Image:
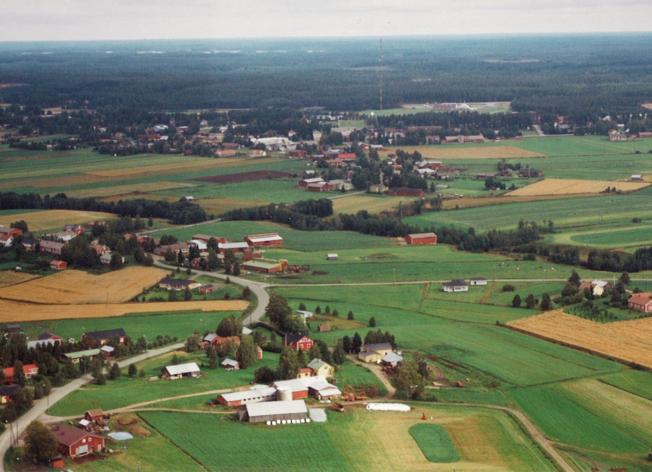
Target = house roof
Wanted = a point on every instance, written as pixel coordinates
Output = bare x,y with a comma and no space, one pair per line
176,282
259,238
642,298
456,283
392,358
317,364
106,334
9,390
188,368
234,245
295,385
69,435
210,337
47,335
84,353
294,337
107,349
230,362
276,408
376,347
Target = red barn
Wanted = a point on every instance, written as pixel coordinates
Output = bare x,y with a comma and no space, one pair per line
58,265
264,240
420,239
298,342
75,442
30,370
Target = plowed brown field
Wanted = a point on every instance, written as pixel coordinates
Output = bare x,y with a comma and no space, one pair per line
627,341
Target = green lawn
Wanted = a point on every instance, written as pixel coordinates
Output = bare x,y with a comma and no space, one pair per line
434,442
356,376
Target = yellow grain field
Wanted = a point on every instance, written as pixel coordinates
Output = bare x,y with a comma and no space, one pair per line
9,277
627,341
574,187
54,219
466,151
77,287
20,311
135,189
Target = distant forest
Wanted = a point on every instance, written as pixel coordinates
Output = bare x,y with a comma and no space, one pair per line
571,75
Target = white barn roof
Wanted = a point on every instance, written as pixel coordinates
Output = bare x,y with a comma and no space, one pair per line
234,245
276,408
259,238
247,394
189,368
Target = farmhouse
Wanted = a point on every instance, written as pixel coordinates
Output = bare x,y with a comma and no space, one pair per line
266,266
641,302
50,247
56,264
373,353
298,341
597,287
321,368
478,281
264,240
456,285
290,410
244,397
175,372
74,442
86,354
420,239
174,248
95,338
74,228
30,370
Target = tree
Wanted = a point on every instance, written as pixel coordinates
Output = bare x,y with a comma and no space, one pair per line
302,306
624,278
356,344
516,301
575,278
246,293
132,371
114,372
349,315
229,326
339,356
372,322
172,296
116,261
19,374
546,302
530,301
212,357
187,294
347,344
38,391
264,375
408,381
40,443
247,355
100,379
288,364
213,261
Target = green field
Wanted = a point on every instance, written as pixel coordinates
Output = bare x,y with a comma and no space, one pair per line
434,442
632,381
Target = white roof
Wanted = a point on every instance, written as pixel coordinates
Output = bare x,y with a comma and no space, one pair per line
392,357
388,407
332,254
199,243
276,408
292,384
246,394
84,422
257,238
209,337
43,342
316,382
189,368
313,180
107,349
236,245
246,331
600,283
305,313
230,362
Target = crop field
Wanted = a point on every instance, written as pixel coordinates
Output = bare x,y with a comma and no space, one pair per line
53,219
128,391
484,439
78,287
574,186
245,177
467,151
588,416
461,333
434,442
10,277
628,341
129,189
615,237
635,382
372,203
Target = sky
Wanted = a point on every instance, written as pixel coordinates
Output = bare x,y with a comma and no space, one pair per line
30,20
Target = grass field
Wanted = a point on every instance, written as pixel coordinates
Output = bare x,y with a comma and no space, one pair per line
485,440
628,341
372,203
633,381
53,219
574,186
77,287
434,442
467,151
641,235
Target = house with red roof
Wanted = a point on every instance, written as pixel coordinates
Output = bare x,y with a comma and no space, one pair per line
641,302
74,442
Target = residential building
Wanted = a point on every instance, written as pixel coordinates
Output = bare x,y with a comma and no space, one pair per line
641,302
456,285
298,341
373,353
100,338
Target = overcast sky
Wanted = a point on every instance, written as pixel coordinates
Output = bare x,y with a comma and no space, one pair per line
22,20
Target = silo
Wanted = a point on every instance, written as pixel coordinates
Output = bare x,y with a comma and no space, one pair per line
284,394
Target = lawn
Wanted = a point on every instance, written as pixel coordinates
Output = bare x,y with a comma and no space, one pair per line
125,391
434,442
356,376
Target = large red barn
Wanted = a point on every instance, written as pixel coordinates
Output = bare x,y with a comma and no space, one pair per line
74,442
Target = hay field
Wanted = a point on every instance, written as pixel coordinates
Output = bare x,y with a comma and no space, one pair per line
77,287
54,219
9,277
373,204
627,341
11,311
140,188
574,187
467,151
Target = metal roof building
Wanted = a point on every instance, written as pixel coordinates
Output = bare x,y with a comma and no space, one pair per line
276,411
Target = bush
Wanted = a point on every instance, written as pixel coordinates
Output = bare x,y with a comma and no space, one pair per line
508,288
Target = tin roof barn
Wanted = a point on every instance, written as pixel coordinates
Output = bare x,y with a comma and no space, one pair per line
266,239
243,397
173,372
276,411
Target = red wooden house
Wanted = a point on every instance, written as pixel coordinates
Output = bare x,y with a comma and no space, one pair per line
298,342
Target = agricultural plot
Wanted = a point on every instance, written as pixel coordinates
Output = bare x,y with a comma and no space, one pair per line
635,382
10,277
467,151
53,219
20,311
77,287
128,189
350,204
615,237
574,186
626,341
434,442
484,439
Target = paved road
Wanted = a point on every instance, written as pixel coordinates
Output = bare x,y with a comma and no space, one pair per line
42,405
257,288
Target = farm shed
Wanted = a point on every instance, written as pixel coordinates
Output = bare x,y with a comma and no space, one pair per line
265,266
174,372
641,302
230,364
305,314
331,256
276,411
321,389
456,285
238,246
314,180
74,442
478,281
421,239
264,240
77,355
168,283
374,352
50,247
319,187
244,397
